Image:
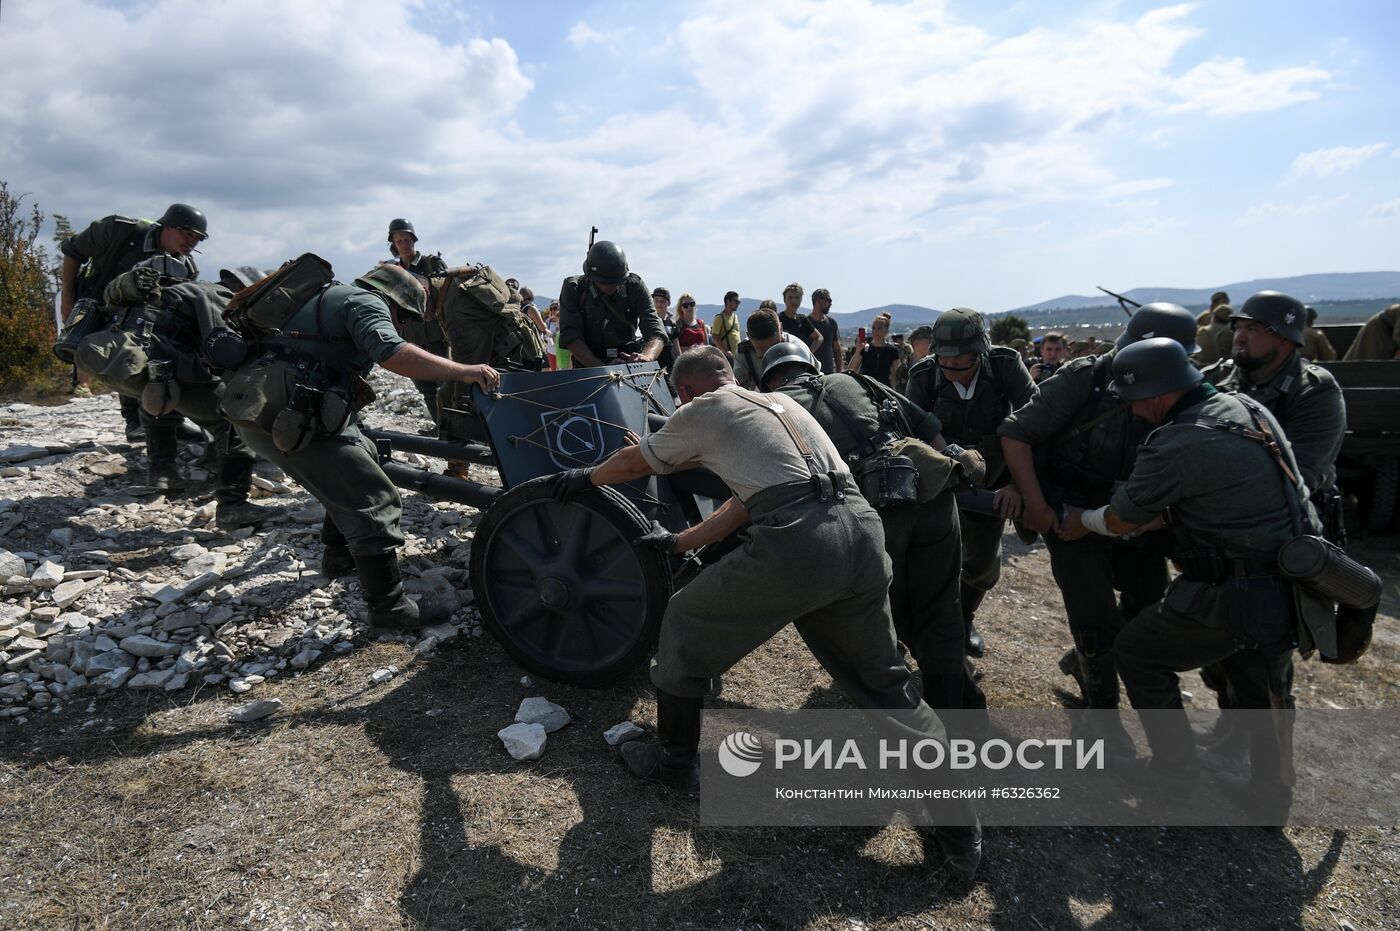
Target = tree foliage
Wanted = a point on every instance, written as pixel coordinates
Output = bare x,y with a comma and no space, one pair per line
1008,327
27,330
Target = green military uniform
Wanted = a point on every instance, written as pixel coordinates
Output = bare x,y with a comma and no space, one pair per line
1003,384
172,322
922,540
1379,337
1216,337
1085,442
1229,517
341,470
427,333
107,248
607,323
1307,401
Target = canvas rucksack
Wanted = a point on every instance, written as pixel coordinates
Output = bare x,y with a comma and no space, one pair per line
263,308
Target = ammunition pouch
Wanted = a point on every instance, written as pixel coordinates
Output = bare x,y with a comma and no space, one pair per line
87,317
162,391
256,393
1331,511
888,480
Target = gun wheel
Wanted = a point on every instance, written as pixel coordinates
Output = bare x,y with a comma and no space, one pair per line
561,586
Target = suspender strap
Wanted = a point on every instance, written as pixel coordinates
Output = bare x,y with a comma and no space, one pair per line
802,447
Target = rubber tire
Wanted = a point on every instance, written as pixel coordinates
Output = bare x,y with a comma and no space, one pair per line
492,558
1380,504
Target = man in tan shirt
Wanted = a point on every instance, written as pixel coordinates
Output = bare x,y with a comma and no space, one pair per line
808,526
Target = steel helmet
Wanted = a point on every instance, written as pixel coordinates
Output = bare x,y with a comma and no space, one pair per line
401,226
185,217
1152,367
396,285
958,331
1285,315
244,276
1160,319
606,263
788,352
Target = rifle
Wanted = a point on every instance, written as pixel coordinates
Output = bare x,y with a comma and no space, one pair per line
592,235
1123,302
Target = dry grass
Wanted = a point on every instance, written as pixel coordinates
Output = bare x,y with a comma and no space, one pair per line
395,807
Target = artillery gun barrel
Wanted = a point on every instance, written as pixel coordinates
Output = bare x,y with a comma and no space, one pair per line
441,487
438,449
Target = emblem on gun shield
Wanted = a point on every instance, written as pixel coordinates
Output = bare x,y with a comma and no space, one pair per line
574,436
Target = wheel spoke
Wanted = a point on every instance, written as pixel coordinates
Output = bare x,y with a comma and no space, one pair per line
524,550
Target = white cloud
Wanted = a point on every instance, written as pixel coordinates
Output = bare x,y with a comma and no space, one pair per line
1271,211
1386,211
1336,160
1224,87
795,123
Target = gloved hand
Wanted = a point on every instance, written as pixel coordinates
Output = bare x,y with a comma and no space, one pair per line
571,482
660,538
147,281
974,466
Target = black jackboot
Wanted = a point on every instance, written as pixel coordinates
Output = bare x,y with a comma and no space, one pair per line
336,561
670,759
131,414
234,510
162,446
383,589
971,599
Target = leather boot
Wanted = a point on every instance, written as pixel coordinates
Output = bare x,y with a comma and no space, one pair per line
162,446
971,600
234,510
670,759
958,848
1098,678
336,561
383,589
131,414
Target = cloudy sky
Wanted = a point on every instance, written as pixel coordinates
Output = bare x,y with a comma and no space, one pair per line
988,154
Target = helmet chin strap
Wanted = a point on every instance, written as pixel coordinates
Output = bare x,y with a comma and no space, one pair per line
950,368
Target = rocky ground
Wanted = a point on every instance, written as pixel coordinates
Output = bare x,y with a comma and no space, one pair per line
199,732
109,586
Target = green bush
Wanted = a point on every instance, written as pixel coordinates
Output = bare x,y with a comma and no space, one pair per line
27,331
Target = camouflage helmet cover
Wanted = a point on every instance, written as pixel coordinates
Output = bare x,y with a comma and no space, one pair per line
397,286
959,331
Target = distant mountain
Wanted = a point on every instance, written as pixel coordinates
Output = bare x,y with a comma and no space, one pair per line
1336,286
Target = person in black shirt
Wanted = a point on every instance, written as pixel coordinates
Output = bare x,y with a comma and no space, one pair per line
797,324
828,353
661,300
877,356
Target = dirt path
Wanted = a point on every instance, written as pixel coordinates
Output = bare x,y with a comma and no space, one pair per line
394,806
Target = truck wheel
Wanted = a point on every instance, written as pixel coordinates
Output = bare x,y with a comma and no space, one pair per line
1385,485
562,587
